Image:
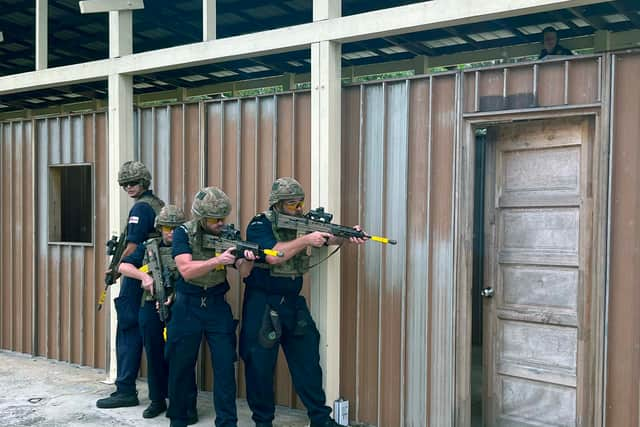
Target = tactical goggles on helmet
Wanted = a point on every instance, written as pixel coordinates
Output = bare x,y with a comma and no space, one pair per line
214,221
167,228
294,204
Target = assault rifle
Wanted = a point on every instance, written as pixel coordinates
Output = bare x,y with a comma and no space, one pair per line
229,237
115,248
161,279
319,220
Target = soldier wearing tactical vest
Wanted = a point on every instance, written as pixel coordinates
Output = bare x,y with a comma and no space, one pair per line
134,178
200,309
151,326
275,314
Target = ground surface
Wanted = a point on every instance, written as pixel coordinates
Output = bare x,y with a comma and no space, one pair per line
41,392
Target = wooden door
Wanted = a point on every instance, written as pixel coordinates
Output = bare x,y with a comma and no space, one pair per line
538,220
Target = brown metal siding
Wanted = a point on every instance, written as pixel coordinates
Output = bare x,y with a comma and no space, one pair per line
241,146
67,326
16,225
546,84
391,131
623,364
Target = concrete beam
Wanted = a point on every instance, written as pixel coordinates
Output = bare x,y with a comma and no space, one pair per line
42,34
381,23
209,20
101,6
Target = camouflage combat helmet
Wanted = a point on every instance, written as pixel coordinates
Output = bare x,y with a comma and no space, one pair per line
133,171
210,202
171,216
285,189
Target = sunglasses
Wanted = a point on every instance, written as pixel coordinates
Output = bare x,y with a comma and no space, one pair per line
294,204
129,184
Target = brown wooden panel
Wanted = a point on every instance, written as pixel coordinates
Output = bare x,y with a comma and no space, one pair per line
551,83
193,156
285,139
7,204
418,188
440,243
269,116
350,214
584,81
520,88
29,241
469,92
392,303
370,274
623,364
177,173
491,90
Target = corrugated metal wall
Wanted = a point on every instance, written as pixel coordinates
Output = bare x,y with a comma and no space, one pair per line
399,159
241,146
623,367
398,171
17,228
70,276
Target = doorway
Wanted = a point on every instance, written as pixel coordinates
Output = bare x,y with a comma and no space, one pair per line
531,352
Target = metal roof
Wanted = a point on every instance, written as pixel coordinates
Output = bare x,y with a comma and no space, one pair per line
75,38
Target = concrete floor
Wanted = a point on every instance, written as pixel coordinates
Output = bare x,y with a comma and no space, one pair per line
40,392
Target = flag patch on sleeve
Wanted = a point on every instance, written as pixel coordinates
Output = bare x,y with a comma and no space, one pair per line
133,219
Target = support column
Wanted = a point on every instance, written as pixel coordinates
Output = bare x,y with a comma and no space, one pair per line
120,147
325,190
421,65
42,34
208,20
602,41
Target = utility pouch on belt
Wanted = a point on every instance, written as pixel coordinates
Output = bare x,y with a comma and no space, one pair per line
301,323
270,329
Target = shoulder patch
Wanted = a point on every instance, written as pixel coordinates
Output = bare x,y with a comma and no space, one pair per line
134,219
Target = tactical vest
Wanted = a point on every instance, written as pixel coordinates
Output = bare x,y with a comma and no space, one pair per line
294,266
152,200
200,253
166,261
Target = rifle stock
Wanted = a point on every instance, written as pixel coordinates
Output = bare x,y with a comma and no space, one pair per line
115,248
230,238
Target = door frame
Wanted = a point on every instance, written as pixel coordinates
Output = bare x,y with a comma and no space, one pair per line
463,238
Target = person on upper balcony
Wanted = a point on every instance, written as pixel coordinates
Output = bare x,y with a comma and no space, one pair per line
551,47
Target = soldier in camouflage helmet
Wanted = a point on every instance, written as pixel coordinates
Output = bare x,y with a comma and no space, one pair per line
151,326
170,216
200,308
134,178
274,313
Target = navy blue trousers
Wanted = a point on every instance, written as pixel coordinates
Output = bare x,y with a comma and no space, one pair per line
152,337
193,316
301,350
128,337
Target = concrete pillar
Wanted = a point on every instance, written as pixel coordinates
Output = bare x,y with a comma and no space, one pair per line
208,20
120,147
421,64
325,190
42,34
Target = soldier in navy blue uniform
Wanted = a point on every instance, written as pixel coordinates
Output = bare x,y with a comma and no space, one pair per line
275,314
200,308
134,178
151,326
